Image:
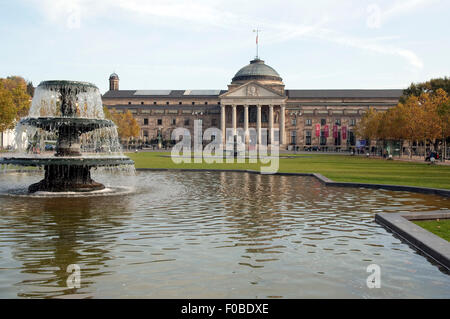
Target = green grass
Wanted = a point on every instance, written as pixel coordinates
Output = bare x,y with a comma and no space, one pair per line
440,227
340,168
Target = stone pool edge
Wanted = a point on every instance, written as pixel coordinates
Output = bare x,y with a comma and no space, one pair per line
428,243
321,178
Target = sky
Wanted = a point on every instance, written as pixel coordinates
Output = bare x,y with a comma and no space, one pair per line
201,44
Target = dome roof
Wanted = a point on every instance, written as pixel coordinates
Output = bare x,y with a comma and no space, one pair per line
257,70
114,76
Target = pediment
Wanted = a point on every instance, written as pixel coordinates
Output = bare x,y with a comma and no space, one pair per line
252,90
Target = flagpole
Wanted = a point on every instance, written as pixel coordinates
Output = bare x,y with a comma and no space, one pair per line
257,44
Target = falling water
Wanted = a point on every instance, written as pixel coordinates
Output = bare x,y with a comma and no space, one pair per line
67,125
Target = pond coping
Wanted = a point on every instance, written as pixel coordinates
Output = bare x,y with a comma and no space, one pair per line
321,178
426,242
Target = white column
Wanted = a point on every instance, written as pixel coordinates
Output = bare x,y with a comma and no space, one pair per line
258,123
222,122
282,125
270,124
246,124
234,119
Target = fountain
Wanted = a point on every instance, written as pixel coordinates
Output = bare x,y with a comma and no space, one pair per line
71,113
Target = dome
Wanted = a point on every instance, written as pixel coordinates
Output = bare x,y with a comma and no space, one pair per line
257,70
114,76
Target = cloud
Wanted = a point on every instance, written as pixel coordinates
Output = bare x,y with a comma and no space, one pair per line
277,28
372,45
376,16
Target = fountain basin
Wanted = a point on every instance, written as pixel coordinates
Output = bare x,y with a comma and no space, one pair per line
77,124
67,160
66,110
64,174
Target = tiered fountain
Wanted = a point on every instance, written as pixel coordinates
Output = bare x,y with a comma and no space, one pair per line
71,113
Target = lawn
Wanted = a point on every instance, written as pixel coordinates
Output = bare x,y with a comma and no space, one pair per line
340,168
439,227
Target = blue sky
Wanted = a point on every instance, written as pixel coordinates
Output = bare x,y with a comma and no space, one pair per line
201,44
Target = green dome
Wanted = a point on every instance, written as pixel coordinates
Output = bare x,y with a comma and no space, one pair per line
257,70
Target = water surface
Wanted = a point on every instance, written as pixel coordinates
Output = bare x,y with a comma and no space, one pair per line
212,235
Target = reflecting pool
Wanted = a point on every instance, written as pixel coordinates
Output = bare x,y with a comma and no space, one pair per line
211,235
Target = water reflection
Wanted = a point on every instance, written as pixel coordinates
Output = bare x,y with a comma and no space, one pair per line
46,235
205,234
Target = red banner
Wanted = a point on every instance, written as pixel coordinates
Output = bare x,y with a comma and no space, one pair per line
317,130
326,130
335,131
344,132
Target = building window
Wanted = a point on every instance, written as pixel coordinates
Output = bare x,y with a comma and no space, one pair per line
180,103
338,122
145,133
293,137
167,103
308,122
308,138
142,103
129,103
323,122
154,103
337,141
294,121
186,122
352,122
174,121
159,121
193,103
145,121
214,122
206,103
323,139
352,138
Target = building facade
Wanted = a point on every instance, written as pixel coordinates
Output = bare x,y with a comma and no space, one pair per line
256,98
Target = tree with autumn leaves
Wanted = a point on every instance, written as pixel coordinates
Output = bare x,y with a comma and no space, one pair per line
14,101
127,126
424,118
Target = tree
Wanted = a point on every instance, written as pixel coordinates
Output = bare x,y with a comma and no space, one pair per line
416,89
127,126
367,128
14,101
443,111
30,89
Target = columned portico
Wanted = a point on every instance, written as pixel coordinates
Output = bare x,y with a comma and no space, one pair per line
234,119
258,123
246,133
265,100
282,124
270,124
223,122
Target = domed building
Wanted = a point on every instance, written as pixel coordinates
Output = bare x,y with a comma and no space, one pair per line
257,70
257,107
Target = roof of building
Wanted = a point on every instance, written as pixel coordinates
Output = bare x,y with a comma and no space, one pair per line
114,76
163,93
391,94
184,107
257,70
394,94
